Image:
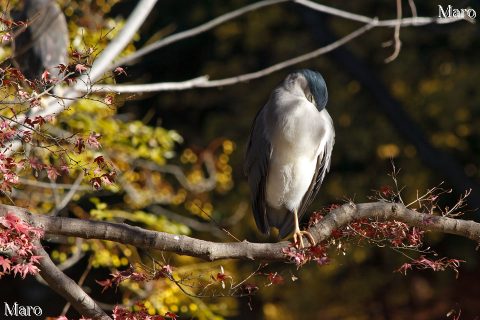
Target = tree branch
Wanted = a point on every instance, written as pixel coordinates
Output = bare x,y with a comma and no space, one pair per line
244,250
396,36
204,82
194,31
114,48
416,21
206,185
70,194
67,288
406,22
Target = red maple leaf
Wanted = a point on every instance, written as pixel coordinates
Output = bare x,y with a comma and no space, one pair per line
100,160
403,269
45,76
35,259
30,268
171,315
386,191
108,100
108,178
274,278
52,173
20,269
62,68
167,269
107,283
92,140
79,145
10,220
5,264
6,37
120,70
96,182
80,68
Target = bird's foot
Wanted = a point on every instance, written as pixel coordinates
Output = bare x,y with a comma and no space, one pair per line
298,239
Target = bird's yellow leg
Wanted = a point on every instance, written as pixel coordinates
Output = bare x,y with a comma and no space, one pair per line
298,234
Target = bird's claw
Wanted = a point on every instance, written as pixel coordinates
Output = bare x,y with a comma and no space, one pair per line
298,239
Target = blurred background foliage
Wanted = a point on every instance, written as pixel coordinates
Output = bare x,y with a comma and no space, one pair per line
203,133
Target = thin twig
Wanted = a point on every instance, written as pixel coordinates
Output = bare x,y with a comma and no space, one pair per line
194,31
216,223
82,279
205,185
189,222
47,185
74,258
56,196
69,195
397,41
413,8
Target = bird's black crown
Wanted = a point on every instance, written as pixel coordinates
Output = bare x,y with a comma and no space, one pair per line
318,87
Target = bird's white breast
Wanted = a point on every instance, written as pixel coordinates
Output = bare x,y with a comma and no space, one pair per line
299,136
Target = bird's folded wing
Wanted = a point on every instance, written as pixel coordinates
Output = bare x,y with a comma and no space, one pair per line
256,168
323,166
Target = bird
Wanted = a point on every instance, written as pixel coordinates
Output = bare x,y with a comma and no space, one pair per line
288,153
43,44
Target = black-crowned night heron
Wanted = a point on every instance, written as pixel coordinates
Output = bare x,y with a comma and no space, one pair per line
288,153
43,44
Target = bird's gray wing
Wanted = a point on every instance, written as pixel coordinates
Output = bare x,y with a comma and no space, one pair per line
323,166
257,160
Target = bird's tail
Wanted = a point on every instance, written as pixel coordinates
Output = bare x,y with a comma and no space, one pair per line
282,219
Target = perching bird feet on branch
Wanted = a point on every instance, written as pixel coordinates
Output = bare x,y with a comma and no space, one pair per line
298,239
298,234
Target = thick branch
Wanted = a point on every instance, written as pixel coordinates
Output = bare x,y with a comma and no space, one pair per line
67,288
209,250
114,48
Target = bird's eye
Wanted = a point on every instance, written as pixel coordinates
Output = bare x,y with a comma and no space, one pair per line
310,98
